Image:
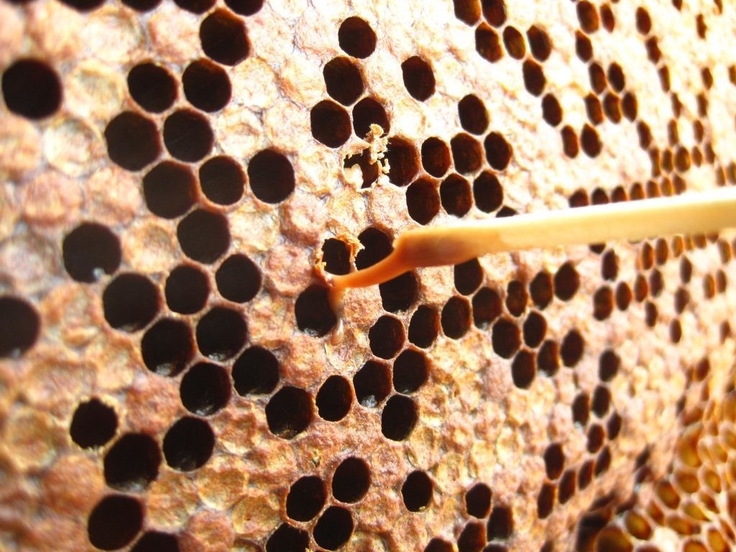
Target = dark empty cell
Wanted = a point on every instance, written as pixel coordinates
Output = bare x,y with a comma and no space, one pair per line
367,112
682,159
203,236
472,538
287,539
516,297
156,541
588,17
534,79
132,463
616,77
455,195
187,135
643,21
221,333
167,347
567,485
601,401
403,160
386,337
467,11
336,256
548,358
114,522
567,282
187,289
535,327
596,436
506,338
422,200
31,89
609,265
709,286
330,123
473,114
523,369
169,189
410,371
417,491
579,199
271,176
130,302
90,250
478,500
721,281
653,51
498,151
590,141
664,80
418,78
398,418
551,110
188,444
593,109
205,389
630,106
613,427
206,85
468,276
368,168
541,289
608,21
356,37
597,78
333,528
245,7
132,141
435,157
653,189
142,5
501,523
305,499
400,293
437,544
488,43
238,279
343,80
351,480
682,298
583,47
513,40
700,25
494,11
94,423
334,398
467,153
222,180
487,192
456,317
554,460
585,475
656,284
608,365
224,38
599,197
372,383
486,307
603,303
539,43
641,288
646,256
152,87
581,409
546,500
707,77
376,246
572,348
603,461
195,6
289,412
256,371
612,107
570,144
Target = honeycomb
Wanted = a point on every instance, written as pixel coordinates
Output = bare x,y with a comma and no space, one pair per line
170,173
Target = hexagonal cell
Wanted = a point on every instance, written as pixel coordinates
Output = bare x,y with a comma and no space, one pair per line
289,412
494,11
386,337
169,189
188,136
114,522
534,328
466,153
89,251
256,371
398,418
534,79
572,348
330,123
588,17
546,500
422,200
167,347
271,174
287,537
403,159
367,112
156,541
187,289
93,424
500,523
130,302
206,85
132,462
238,278
417,491
334,399
418,78
333,528
343,80
356,37
566,282
513,40
410,371
498,151
539,43
551,110
523,369
473,114
222,180
516,297
351,480
372,383
488,43
487,192
399,294
188,444
224,38
152,87
306,498
472,537
31,88
478,500
221,333
205,389
548,358
455,317
506,337
435,157
132,141
455,195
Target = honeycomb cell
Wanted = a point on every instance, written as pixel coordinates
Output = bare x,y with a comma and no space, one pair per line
398,418
152,87
31,89
488,43
516,297
587,17
424,326
132,462
336,256
221,333
289,412
204,236
417,491
169,189
472,537
400,293
603,461
473,114
351,480
486,307
534,79
590,141
79,5
593,109
585,475
613,427
612,107
581,409
132,141
567,486
643,21
656,283
541,289
255,372
583,47
603,303
534,329
601,401
539,43
506,338
205,389
356,37
313,313
372,383
287,539
271,176
570,144
89,251
333,528
523,369
513,40
334,398
222,180
422,200
478,500
156,541
597,78
188,444
498,151
455,317
186,290
343,80
468,276
548,358
410,371
224,38
546,500
572,348
609,265
551,110
566,282
616,77
467,153
403,160
206,85
554,460
437,544
494,11
167,347
93,424
195,6
455,195
386,337
330,124
306,498
435,157
608,21
418,78
114,522
613,539
376,246
501,523
367,112
650,314
238,279
130,302
596,436
187,135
